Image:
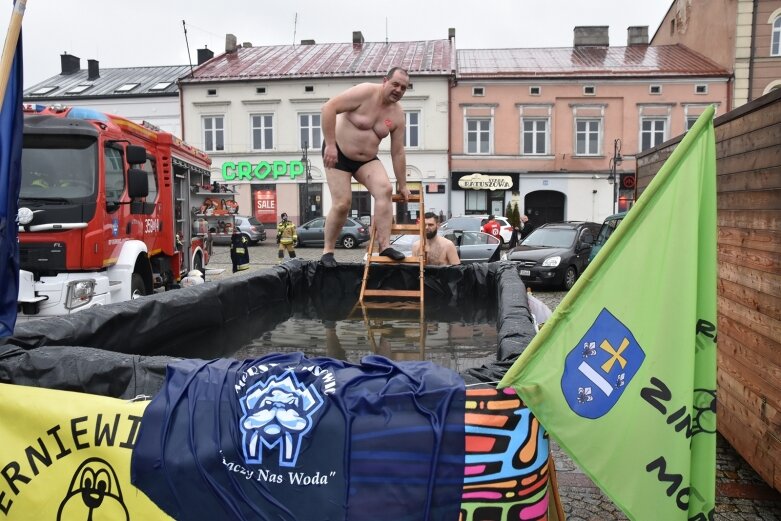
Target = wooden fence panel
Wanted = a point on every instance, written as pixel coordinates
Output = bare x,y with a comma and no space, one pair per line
748,164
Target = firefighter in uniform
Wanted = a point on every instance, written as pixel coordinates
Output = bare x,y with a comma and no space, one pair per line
286,238
239,250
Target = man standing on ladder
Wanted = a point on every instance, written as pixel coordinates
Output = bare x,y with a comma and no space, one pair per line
354,123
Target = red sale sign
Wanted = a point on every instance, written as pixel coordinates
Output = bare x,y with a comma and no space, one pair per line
266,206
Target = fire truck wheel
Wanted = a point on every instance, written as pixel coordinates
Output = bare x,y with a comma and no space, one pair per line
137,286
198,264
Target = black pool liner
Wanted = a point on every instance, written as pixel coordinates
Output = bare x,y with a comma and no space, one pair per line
122,350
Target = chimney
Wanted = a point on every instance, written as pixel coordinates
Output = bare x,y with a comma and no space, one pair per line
69,63
451,34
357,38
592,35
93,70
204,55
307,42
230,43
246,45
637,35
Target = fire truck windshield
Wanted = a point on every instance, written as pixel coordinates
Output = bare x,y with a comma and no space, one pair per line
59,167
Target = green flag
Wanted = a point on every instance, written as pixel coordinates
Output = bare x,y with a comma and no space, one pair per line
623,375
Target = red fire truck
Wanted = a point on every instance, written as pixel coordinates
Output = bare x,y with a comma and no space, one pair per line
104,210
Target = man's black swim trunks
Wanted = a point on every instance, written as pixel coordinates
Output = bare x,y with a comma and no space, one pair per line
345,163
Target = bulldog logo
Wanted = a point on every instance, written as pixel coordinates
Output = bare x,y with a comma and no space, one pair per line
277,413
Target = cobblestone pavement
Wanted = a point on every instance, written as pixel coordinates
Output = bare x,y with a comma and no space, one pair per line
741,493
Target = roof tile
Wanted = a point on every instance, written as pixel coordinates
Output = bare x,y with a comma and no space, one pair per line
431,57
636,60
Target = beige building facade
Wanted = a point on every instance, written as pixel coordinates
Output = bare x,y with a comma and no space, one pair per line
256,112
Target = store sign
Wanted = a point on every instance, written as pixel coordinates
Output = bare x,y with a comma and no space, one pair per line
266,206
246,171
486,182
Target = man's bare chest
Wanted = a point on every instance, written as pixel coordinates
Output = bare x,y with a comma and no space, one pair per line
435,253
381,122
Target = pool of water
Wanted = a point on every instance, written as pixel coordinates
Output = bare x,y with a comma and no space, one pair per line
455,345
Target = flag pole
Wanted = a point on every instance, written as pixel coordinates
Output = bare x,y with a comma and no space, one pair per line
9,47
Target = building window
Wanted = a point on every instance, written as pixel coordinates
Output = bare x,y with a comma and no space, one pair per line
211,92
78,89
309,88
476,202
262,131
654,89
260,90
588,133
43,90
589,90
690,121
309,130
478,135
701,89
161,85
126,87
412,136
535,91
213,133
652,132
535,136
775,41
478,91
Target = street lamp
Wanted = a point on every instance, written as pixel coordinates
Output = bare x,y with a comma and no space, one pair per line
307,176
612,178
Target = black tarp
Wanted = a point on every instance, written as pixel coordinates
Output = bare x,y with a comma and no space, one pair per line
121,350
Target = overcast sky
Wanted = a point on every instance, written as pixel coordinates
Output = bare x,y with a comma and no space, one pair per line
149,32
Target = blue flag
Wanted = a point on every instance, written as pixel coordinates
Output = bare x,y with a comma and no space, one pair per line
10,178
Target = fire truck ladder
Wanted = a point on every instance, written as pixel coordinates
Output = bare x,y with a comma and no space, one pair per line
376,313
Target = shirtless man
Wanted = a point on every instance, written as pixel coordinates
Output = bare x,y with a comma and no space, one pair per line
440,251
354,123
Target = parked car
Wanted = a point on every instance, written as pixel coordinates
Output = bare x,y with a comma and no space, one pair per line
476,222
555,254
471,246
312,233
249,226
607,229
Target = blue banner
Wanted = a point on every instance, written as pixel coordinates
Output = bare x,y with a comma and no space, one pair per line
285,437
10,179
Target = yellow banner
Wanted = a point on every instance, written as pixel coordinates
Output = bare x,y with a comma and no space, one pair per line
66,456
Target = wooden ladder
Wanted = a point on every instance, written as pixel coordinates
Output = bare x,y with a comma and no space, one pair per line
371,259
375,313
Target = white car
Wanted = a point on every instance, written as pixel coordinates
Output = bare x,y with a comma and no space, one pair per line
476,222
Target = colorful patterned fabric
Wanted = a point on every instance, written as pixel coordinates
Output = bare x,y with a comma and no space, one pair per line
506,473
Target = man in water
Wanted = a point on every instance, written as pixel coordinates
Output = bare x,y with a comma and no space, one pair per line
439,251
354,123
